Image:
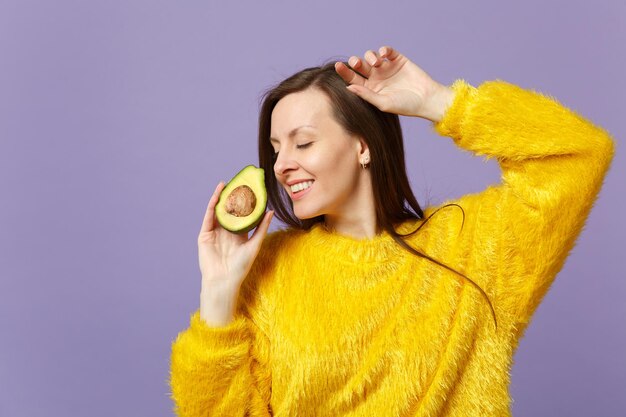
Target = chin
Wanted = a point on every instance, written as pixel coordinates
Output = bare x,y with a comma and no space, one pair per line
305,215
302,217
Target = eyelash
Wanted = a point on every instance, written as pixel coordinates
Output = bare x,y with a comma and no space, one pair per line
303,146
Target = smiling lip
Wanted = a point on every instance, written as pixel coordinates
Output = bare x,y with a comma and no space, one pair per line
290,183
299,195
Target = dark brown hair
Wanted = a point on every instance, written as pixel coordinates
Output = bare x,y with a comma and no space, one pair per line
395,201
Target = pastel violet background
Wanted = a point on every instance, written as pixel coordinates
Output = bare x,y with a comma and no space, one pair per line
118,118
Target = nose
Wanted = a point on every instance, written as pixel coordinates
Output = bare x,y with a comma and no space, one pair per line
284,163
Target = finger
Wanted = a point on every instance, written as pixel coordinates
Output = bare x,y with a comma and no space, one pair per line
372,58
388,52
348,75
261,230
381,102
361,66
208,224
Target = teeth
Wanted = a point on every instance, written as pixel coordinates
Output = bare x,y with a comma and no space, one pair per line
301,186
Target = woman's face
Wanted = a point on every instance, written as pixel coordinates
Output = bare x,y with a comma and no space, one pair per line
313,147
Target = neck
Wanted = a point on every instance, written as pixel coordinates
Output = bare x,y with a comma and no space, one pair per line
357,219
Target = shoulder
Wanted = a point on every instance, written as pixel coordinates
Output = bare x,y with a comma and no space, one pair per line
448,220
268,270
276,248
280,241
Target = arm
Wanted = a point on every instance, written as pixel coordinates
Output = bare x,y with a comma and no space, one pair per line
220,364
225,369
553,164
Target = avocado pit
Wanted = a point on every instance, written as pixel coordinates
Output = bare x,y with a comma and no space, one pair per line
241,201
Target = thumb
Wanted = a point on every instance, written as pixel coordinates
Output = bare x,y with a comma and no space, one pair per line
261,230
368,95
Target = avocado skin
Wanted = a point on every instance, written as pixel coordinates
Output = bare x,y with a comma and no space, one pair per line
261,195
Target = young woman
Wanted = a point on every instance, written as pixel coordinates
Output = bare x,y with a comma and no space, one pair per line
366,305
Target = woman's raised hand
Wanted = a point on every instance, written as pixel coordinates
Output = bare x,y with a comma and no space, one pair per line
226,258
394,84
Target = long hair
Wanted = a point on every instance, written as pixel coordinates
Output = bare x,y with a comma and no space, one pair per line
394,199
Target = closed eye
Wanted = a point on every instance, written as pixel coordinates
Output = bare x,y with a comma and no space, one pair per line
303,146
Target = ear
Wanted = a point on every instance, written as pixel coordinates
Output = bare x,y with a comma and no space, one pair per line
363,149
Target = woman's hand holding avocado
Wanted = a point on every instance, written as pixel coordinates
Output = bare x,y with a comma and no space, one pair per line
225,259
394,84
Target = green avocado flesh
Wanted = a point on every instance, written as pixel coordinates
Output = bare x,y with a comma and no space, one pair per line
243,201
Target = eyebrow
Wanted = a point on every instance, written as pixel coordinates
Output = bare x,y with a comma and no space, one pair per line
292,133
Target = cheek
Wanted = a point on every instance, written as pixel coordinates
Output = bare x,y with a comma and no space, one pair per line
337,171
319,164
337,159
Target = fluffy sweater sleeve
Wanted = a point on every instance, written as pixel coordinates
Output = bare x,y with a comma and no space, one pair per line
553,163
220,370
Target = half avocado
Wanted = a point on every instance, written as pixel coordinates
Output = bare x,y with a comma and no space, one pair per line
242,201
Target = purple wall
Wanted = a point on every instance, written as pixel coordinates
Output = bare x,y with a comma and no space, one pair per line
118,118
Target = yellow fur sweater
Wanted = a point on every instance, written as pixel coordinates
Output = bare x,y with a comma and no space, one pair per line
328,325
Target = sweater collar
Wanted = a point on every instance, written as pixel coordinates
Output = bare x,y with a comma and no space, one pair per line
347,249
